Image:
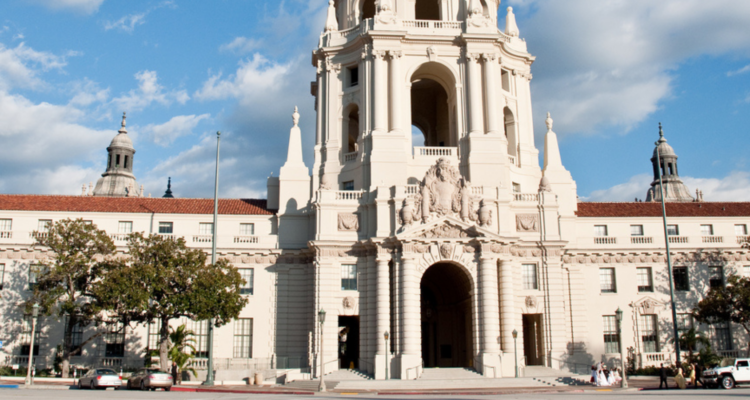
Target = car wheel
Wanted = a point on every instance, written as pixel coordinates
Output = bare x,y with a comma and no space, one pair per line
727,382
168,389
143,386
80,387
91,385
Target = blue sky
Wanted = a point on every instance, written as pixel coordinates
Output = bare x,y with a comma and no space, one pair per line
608,70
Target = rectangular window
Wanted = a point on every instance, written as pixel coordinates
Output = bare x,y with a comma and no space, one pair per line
530,277
681,281
117,160
673,230
636,230
154,335
740,230
206,228
43,226
76,335
707,230
247,275
247,229
26,335
721,336
684,323
125,227
645,282
354,76
348,277
746,269
611,337
6,225
113,341
649,334
348,185
516,187
2,276
600,230
200,329
126,162
243,338
505,78
166,228
607,280
716,277
35,271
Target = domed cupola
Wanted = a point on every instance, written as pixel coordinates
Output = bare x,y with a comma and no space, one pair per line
664,162
118,180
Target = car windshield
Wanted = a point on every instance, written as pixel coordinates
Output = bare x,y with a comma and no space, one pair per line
727,362
105,372
154,371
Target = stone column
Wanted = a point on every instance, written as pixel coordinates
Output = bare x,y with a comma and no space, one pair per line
411,335
490,90
397,88
380,92
371,306
489,314
383,320
506,303
476,111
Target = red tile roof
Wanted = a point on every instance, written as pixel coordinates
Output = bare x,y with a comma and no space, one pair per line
673,209
132,205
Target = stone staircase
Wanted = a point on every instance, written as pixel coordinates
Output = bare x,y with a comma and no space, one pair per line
444,374
332,380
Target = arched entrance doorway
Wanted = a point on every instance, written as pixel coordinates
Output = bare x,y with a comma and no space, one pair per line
446,317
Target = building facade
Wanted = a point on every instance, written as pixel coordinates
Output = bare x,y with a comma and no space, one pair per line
451,247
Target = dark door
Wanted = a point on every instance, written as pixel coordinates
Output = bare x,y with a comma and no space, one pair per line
348,342
533,346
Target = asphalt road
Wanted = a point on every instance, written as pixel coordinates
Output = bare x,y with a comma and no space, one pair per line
613,395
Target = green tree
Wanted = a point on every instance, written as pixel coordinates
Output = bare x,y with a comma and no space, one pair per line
66,287
725,304
182,350
691,340
164,280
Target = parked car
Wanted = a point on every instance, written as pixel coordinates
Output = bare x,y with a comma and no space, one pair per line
150,378
729,373
100,378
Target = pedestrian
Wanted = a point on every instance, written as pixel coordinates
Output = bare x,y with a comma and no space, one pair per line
663,377
699,376
174,373
679,379
593,375
692,375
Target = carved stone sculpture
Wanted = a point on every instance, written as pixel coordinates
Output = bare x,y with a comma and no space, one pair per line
446,250
444,192
348,222
527,223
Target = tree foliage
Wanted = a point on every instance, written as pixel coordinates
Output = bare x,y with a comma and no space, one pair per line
164,280
66,287
182,350
730,303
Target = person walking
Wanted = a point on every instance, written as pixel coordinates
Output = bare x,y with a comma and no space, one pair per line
692,375
663,377
698,375
174,373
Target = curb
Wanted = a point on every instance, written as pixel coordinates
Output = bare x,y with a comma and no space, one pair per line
200,390
8,386
487,393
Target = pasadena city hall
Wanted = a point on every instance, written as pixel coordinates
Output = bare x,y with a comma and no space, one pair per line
466,251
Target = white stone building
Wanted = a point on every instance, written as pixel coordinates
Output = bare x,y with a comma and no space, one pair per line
449,247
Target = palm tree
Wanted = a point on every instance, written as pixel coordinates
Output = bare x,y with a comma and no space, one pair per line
182,350
690,340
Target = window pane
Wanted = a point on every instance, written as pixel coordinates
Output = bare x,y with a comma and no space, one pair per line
673,230
607,280
113,341
166,228
206,228
649,334
740,230
530,277
600,230
44,225
636,230
348,185
6,225
707,230
747,271
248,275
247,229
348,277
2,275
243,338
645,283
681,281
125,227
611,338
26,335
200,330
684,323
721,337
715,277
34,272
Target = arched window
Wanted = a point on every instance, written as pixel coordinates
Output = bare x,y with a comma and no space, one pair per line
352,130
433,107
511,132
427,10
368,9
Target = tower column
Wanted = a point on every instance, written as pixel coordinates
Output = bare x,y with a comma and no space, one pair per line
476,111
490,315
380,92
411,336
396,90
383,311
490,90
506,302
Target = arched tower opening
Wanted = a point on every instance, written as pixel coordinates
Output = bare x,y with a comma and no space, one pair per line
427,10
511,133
351,129
446,293
433,105
368,9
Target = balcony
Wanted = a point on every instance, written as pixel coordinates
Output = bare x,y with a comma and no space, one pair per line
743,239
678,239
713,239
119,237
435,152
246,239
6,235
349,194
641,240
417,27
526,197
605,240
348,157
203,238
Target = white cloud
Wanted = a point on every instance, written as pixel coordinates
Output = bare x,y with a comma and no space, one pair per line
88,92
742,70
181,125
149,91
20,66
241,45
79,6
636,187
733,187
611,63
126,23
255,79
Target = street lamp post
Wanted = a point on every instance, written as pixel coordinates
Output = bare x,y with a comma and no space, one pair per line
34,316
322,318
387,359
210,373
515,349
618,315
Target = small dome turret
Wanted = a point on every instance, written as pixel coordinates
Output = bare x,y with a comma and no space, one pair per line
666,177
118,180
122,139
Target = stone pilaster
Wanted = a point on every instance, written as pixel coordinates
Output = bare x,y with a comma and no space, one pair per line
383,318
411,335
380,92
476,110
490,89
397,91
507,304
489,313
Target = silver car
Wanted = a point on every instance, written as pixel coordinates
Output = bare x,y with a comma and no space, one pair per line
100,378
150,378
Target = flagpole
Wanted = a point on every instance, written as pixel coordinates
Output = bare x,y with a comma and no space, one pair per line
210,374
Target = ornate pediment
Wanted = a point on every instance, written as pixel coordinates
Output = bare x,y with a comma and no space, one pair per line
648,305
448,231
446,228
